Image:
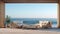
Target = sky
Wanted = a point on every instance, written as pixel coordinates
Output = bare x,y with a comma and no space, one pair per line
31,10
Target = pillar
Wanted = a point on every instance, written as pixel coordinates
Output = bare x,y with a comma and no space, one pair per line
2,14
58,23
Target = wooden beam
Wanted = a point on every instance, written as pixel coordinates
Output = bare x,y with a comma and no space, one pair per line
2,13
2,0
31,1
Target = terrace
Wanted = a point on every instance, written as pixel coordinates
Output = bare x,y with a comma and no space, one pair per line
2,8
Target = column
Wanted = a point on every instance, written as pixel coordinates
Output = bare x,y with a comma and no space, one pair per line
2,14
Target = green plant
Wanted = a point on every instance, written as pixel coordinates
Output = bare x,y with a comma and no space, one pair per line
8,19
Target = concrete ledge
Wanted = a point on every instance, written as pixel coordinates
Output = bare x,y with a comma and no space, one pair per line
21,31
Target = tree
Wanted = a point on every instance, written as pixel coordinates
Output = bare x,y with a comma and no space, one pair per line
7,20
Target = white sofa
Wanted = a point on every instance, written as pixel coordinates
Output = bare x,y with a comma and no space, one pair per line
45,24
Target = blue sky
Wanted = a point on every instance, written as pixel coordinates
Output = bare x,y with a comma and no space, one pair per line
31,10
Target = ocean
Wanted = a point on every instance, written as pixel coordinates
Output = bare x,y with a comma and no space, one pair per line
36,20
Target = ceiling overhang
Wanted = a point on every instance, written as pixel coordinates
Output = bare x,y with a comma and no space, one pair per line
30,1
